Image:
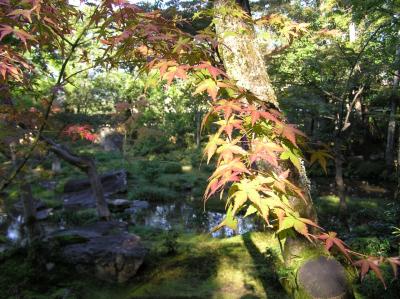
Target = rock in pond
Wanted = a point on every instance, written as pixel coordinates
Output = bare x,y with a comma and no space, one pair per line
42,212
103,249
19,206
78,193
140,204
137,205
118,205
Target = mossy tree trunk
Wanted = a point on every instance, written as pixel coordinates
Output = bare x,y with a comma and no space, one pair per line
244,63
390,141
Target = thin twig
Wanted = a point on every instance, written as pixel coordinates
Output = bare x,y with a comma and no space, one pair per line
7,181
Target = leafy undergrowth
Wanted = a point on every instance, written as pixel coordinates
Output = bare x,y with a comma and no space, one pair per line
368,228
366,217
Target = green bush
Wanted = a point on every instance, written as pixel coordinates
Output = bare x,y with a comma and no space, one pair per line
3,239
150,170
154,193
152,145
366,169
80,217
372,287
373,246
172,167
170,242
178,182
103,156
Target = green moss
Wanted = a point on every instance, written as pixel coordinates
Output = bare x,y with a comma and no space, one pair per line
154,194
203,267
80,217
3,239
180,182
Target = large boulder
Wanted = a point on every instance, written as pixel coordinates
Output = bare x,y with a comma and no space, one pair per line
114,258
78,193
104,250
110,140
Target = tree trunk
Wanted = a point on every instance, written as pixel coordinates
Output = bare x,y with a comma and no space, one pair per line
5,95
244,63
389,153
30,221
397,192
341,189
87,165
29,207
390,141
198,116
56,165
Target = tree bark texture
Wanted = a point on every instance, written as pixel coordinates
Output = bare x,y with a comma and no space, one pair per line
30,221
242,57
341,188
244,63
390,141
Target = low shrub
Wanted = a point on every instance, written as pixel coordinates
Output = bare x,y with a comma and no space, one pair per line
172,167
373,246
154,193
80,217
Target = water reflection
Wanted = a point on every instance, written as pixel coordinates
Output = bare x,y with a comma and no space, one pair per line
163,216
183,216
14,230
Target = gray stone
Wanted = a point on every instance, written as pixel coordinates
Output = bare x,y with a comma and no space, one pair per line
50,266
103,249
140,204
114,258
101,228
49,185
78,193
110,140
323,278
43,214
19,206
118,205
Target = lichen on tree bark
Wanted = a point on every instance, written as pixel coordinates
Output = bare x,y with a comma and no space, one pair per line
244,63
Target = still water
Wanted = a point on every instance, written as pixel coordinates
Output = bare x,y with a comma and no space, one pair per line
191,219
166,216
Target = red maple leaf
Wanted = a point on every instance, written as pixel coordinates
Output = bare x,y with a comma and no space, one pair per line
330,240
214,71
370,263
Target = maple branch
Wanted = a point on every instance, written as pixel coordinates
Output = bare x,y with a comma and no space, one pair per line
61,36
6,182
353,68
346,123
279,50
